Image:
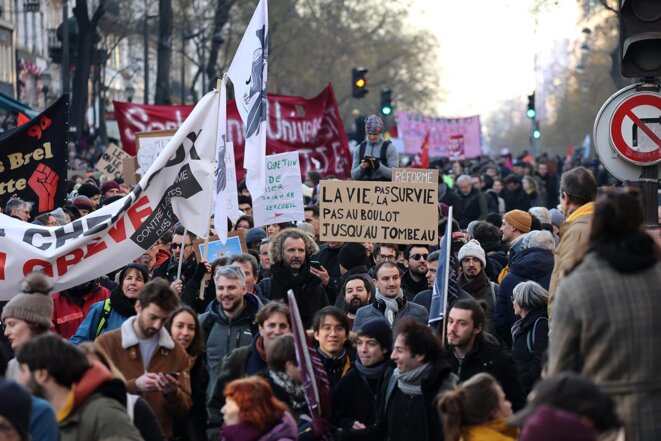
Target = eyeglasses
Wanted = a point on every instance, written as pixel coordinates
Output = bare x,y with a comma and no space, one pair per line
388,257
178,245
418,256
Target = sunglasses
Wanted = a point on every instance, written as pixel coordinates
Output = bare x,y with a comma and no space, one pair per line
418,256
178,245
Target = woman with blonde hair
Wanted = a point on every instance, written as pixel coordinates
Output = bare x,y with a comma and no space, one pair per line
477,411
251,413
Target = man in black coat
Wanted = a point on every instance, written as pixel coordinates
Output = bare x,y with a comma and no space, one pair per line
290,269
359,393
409,409
473,352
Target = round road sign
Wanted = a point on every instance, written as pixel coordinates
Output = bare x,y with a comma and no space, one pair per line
627,132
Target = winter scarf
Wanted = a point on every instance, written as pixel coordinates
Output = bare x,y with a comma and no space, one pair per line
392,308
371,372
294,390
122,304
410,382
475,284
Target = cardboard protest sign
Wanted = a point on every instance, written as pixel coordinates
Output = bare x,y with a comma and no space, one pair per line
423,176
149,146
33,160
393,212
111,162
282,200
235,244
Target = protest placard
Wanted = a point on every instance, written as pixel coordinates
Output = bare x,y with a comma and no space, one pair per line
283,199
393,212
236,244
110,162
423,176
149,145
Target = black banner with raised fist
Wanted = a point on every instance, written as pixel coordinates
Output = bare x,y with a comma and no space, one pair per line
33,160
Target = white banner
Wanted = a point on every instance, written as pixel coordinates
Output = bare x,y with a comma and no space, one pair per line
282,200
180,181
248,73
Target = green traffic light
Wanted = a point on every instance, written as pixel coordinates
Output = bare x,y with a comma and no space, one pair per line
531,113
536,134
386,110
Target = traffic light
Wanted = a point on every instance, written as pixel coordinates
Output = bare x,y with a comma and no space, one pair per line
640,38
386,101
536,133
359,82
531,113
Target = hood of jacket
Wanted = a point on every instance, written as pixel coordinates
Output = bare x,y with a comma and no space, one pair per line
246,316
532,263
98,379
275,253
285,429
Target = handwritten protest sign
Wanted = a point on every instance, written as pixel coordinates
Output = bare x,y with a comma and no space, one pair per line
149,145
422,176
110,163
394,212
283,199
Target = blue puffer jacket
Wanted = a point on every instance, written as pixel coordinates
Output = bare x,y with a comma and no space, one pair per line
534,264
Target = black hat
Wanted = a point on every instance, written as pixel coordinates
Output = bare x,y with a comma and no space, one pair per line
89,190
352,255
15,406
378,329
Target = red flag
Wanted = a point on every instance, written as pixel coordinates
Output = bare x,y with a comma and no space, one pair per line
421,160
22,119
570,151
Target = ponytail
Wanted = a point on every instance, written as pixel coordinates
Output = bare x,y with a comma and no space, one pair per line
451,409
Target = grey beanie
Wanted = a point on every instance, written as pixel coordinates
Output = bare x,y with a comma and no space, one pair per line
34,304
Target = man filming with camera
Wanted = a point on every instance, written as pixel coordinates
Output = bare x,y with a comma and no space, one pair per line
374,158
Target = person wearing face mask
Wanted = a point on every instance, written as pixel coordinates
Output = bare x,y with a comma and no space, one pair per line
72,305
109,314
184,327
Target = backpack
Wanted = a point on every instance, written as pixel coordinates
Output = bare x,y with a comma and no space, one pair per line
107,309
384,148
530,336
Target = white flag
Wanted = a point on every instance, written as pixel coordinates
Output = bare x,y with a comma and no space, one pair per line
227,197
248,73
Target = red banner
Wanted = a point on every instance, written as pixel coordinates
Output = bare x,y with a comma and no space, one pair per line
313,127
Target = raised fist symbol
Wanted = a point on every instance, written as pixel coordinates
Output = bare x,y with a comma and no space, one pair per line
44,183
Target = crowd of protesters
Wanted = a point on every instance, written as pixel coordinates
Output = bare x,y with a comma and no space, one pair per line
557,300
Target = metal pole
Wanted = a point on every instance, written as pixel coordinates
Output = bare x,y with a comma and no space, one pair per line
145,36
649,185
183,67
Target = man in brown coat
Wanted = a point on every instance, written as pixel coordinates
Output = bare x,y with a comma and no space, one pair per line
578,190
154,365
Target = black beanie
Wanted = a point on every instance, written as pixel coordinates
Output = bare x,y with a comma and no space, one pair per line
89,190
378,329
352,255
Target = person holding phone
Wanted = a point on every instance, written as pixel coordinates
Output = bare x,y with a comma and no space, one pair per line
374,158
153,363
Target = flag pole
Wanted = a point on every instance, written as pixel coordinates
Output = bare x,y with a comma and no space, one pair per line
447,276
181,253
205,247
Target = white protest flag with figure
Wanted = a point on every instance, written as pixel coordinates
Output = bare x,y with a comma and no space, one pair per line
248,74
227,195
180,181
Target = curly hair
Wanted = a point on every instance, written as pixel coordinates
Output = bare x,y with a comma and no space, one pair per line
257,405
278,241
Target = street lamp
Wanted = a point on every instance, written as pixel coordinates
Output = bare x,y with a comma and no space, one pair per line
130,93
46,80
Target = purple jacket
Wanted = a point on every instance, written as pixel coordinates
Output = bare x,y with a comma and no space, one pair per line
284,430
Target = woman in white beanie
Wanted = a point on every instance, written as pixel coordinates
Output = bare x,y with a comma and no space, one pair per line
27,315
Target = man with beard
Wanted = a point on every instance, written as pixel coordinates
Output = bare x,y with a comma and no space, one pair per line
154,365
473,279
389,300
357,292
228,323
180,245
414,280
89,403
290,268
358,395
273,320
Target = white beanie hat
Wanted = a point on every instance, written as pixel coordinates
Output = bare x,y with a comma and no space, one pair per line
473,249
